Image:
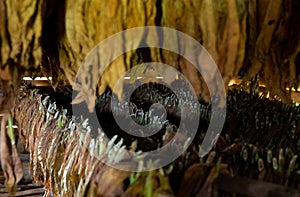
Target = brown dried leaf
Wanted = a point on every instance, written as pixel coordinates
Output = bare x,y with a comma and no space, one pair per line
164,188
88,97
151,183
6,159
195,174
110,181
203,175
18,170
10,161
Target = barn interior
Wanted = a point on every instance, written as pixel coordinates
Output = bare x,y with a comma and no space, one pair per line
150,98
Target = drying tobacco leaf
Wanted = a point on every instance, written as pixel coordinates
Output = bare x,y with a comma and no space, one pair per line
10,161
69,167
149,184
109,181
164,188
16,161
198,179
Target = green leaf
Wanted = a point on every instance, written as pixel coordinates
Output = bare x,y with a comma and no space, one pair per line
148,185
11,132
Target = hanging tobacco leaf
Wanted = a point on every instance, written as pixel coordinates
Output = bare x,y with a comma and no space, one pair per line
10,160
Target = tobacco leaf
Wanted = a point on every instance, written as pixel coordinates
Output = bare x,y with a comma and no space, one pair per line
151,183
109,181
203,175
10,160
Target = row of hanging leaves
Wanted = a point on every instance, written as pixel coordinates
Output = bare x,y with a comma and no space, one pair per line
65,158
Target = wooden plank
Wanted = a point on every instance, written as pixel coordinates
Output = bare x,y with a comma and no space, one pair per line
24,190
28,192
251,187
31,192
